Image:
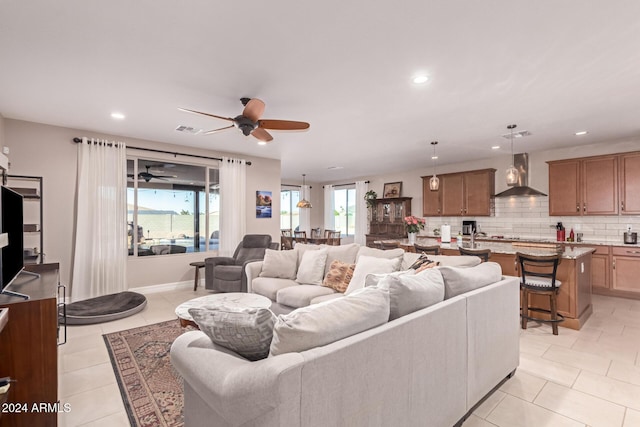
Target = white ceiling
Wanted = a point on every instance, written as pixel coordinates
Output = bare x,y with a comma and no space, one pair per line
553,67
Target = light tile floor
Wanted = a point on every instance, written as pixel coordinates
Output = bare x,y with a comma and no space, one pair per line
588,378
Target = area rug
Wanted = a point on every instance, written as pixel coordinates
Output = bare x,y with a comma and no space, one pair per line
151,389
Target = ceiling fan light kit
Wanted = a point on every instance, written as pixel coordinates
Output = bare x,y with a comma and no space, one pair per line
249,121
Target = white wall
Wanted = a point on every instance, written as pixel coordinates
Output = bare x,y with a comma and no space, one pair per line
48,151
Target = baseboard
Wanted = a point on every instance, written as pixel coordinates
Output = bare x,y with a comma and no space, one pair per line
165,287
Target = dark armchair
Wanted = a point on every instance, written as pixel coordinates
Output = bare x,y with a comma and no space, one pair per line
226,274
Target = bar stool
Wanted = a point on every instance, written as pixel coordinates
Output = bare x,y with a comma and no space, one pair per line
432,249
538,277
483,254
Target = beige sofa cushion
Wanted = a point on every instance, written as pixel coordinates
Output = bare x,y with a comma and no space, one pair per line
279,264
460,280
301,295
269,286
371,265
324,323
343,253
379,253
311,268
445,260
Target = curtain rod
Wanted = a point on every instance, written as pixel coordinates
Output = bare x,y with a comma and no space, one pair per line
293,185
350,183
79,140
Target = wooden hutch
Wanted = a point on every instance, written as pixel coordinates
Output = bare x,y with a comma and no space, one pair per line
386,219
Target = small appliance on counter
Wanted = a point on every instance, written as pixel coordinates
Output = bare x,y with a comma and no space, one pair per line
468,227
445,233
630,238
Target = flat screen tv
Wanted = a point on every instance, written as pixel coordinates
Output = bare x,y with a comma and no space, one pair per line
11,209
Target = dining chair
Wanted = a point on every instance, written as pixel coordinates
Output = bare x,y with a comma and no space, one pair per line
332,237
316,233
300,236
483,254
538,277
430,249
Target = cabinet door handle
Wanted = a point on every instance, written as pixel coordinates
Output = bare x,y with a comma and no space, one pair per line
614,263
584,208
622,205
633,252
577,208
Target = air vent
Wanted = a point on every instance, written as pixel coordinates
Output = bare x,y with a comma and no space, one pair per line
188,129
520,134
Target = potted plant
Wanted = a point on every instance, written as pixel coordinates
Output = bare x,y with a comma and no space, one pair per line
413,225
370,196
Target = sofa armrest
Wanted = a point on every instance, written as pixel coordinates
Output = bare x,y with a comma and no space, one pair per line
252,270
236,389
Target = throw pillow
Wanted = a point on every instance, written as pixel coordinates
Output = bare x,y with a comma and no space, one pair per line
311,269
279,264
427,265
339,276
371,265
379,253
412,292
247,331
422,259
345,253
330,321
301,248
458,280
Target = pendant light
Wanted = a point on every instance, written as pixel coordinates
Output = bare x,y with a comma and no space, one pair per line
434,181
512,172
304,203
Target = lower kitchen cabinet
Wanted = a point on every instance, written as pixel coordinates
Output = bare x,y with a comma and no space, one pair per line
625,269
601,268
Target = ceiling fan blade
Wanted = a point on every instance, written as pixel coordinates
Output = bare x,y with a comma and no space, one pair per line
262,135
206,114
209,132
282,125
254,109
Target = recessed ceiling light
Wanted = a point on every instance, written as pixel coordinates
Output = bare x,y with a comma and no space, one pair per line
582,132
117,116
262,143
495,147
434,157
331,168
420,79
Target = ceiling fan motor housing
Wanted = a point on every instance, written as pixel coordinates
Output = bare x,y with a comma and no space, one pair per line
245,124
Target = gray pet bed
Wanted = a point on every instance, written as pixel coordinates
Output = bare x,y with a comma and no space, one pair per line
104,308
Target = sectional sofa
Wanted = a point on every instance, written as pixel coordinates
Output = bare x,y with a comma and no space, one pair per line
407,366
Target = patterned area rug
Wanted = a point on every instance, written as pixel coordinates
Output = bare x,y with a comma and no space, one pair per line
151,389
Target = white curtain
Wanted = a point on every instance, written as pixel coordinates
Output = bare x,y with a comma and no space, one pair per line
233,204
100,252
329,209
361,213
305,213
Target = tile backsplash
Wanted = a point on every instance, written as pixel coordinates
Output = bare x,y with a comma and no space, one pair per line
528,217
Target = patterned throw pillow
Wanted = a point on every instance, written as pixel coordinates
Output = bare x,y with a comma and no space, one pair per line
339,276
423,259
426,265
247,331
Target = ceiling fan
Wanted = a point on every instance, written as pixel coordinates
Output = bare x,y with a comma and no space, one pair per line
148,176
249,121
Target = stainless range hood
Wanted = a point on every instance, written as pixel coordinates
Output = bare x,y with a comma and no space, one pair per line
521,189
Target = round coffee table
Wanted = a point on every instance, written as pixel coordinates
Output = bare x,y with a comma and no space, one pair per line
229,299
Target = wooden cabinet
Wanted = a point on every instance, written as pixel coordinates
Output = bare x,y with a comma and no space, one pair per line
600,185
629,184
460,194
625,264
387,219
601,268
29,348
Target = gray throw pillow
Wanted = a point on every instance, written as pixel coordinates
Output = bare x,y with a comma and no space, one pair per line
458,280
247,331
412,292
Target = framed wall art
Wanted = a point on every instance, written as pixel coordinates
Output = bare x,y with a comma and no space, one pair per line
392,190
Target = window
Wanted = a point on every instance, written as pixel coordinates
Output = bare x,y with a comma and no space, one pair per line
167,207
289,213
344,203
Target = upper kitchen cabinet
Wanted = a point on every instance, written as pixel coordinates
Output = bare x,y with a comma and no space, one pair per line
630,183
587,186
460,194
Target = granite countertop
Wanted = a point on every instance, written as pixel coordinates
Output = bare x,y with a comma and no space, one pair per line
584,242
501,247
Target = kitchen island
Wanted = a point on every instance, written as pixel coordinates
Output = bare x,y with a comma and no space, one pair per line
574,271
